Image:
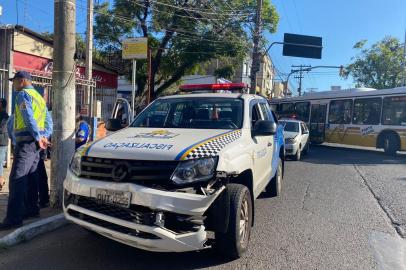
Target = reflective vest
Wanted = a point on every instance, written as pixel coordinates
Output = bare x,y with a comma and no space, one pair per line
21,131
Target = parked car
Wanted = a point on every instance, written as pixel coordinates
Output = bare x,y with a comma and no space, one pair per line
187,165
296,137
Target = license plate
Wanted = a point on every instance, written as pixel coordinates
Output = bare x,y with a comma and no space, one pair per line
113,197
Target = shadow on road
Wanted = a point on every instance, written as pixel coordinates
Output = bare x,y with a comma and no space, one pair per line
126,257
335,155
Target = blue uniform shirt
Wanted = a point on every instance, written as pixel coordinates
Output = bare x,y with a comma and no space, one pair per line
82,133
24,102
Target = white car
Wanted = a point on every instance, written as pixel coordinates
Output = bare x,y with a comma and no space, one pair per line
296,137
188,164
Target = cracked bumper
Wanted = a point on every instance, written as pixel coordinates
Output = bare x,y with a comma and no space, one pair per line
162,239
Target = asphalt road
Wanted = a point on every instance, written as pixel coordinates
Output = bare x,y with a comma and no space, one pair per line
340,209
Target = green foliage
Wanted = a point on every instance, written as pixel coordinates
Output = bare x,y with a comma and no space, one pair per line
226,72
181,34
378,67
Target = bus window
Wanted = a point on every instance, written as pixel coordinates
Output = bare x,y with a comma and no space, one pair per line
367,111
340,111
302,110
286,109
394,111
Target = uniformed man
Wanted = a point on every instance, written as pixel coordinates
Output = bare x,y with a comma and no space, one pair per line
30,137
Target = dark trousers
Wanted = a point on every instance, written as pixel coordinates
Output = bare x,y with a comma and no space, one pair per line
42,180
23,183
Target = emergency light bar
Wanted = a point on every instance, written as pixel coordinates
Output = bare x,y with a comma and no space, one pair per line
217,87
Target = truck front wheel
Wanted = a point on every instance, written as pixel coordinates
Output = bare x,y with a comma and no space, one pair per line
234,242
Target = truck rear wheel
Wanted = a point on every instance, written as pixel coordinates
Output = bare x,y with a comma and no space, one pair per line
234,242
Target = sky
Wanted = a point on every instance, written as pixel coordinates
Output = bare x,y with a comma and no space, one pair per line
340,23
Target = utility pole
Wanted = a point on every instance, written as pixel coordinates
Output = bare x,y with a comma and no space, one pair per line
89,57
256,56
63,101
300,77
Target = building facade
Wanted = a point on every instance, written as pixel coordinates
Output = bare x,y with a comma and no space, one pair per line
265,77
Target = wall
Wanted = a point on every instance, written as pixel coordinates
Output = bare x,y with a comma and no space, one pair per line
27,44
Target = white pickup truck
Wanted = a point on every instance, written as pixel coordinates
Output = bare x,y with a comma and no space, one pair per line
186,165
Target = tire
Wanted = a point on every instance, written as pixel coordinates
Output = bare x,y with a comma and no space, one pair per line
298,154
234,242
390,144
274,188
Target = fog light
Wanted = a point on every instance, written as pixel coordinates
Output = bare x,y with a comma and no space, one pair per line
160,219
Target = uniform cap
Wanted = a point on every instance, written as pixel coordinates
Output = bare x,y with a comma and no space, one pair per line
21,75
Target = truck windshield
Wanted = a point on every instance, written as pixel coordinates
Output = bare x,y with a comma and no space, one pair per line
199,113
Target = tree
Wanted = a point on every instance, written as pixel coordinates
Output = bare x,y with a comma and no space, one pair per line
226,72
378,67
181,34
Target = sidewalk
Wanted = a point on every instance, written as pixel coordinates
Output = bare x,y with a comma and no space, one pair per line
49,219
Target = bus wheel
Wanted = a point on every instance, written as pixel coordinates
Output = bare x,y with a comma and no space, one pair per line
390,144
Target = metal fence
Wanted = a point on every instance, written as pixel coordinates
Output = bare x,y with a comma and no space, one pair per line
43,83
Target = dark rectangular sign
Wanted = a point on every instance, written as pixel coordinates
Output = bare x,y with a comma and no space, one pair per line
302,46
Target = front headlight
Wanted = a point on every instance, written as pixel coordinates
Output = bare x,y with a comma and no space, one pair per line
195,170
76,163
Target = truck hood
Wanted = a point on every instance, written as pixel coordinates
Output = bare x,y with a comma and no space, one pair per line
162,144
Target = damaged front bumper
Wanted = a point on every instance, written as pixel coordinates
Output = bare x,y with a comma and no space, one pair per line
156,220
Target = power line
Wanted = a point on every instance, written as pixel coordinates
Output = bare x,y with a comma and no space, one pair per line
173,14
200,10
17,10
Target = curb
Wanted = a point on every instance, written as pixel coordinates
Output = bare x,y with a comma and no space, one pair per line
32,230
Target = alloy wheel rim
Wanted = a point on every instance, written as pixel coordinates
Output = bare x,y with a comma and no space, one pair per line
244,221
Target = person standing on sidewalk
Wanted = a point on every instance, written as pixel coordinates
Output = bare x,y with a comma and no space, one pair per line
3,139
82,132
29,130
43,189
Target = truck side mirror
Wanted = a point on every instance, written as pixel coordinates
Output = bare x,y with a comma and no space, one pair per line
264,128
113,124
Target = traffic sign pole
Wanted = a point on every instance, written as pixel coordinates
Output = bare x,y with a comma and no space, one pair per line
133,86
